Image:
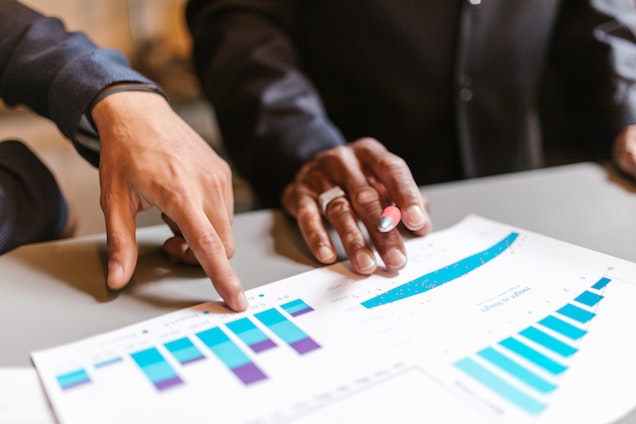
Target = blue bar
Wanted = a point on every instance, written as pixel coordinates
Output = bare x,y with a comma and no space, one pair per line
288,331
184,350
251,335
533,356
281,326
108,362
296,307
600,284
588,298
156,368
441,276
513,368
562,327
73,379
576,313
549,342
231,355
226,350
500,386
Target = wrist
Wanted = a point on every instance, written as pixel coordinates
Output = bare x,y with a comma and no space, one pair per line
121,88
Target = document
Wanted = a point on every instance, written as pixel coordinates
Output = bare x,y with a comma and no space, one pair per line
488,323
22,399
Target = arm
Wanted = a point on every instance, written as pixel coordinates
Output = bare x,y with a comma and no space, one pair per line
32,208
146,154
270,115
54,72
275,127
594,46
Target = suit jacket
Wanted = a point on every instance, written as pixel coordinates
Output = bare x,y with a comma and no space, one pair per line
451,86
56,74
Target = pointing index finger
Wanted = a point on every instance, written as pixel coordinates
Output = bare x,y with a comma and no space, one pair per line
210,252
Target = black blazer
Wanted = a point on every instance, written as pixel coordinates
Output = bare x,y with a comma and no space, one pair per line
451,86
57,74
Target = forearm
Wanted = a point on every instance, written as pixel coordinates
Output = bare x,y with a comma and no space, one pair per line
54,72
270,115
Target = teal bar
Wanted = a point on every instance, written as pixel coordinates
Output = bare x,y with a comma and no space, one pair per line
600,284
247,331
72,379
562,327
154,365
533,356
281,326
159,371
576,313
223,347
296,307
108,362
513,368
588,298
549,342
184,350
500,386
156,368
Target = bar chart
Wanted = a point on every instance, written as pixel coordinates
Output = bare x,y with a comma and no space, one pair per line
524,368
233,343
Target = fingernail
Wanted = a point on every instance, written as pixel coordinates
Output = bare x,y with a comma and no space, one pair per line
395,259
115,273
325,254
240,302
416,218
365,261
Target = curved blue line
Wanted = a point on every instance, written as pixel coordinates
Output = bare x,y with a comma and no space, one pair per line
442,275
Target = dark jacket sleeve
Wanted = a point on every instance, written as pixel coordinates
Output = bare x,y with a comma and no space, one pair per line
32,207
270,116
54,72
594,60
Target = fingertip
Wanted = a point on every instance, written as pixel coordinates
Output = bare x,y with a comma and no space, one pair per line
364,262
239,302
116,278
415,219
326,255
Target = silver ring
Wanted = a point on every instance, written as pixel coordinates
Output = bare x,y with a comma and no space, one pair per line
328,196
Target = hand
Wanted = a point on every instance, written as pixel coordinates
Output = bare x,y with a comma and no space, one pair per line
150,156
624,150
372,178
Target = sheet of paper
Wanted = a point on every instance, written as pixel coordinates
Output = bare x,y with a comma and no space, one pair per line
22,399
487,323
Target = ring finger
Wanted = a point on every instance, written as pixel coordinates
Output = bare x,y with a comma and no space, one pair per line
343,219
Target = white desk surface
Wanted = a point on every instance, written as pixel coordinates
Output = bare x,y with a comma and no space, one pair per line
54,293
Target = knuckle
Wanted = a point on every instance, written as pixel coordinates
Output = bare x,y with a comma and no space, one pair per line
365,197
339,208
392,163
209,244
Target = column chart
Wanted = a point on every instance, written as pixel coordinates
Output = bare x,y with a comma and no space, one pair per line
233,343
524,368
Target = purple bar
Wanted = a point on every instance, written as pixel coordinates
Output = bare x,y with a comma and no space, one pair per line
249,373
302,311
166,384
79,383
305,345
261,346
189,361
